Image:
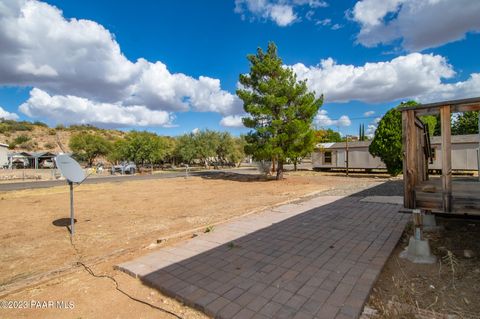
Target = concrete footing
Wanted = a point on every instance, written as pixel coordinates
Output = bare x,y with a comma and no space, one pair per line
418,252
430,223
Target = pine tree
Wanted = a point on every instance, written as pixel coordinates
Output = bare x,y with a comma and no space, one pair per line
280,108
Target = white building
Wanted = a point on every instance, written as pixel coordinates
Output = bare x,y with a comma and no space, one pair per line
333,155
3,155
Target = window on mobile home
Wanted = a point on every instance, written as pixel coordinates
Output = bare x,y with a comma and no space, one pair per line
327,158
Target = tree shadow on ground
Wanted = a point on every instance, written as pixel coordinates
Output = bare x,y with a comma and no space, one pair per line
236,177
381,176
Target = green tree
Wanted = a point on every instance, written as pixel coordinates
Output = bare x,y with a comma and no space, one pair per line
465,123
431,121
169,144
327,136
230,149
280,108
142,148
237,154
185,148
387,142
361,133
206,145
87,146
118,151
225,147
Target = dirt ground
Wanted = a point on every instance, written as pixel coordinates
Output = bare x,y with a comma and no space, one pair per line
449,287
115,223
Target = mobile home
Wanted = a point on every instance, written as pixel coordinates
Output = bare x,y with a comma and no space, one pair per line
333,155
3,155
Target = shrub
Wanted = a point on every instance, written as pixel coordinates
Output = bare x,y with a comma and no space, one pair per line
21,139
29,146
49,145
14,126
38,123
264,167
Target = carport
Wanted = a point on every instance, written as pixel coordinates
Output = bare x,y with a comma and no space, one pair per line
39,157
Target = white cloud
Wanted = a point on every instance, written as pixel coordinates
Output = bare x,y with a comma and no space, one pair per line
411,76
336,26
328,23
72,109
232,121
368,113
195,131
311,3
42,49
282,12
420,24
456,90
324,22
372,127
322,120
370,131
4,114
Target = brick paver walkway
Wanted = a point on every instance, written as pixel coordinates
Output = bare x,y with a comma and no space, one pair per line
316,259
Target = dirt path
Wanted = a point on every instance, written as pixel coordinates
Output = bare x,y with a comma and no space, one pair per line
131,215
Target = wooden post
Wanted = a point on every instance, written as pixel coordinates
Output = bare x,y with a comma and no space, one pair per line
418,224
446,158
409,162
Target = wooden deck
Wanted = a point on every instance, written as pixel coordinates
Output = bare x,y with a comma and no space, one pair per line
465,195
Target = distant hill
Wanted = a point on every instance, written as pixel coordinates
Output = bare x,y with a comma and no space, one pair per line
38,136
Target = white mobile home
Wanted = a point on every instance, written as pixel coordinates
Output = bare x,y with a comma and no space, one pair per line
3,155
464,152
333,155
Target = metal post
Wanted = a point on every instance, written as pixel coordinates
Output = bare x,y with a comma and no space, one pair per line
478,151
72,219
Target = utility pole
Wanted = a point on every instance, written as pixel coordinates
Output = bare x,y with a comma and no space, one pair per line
346,152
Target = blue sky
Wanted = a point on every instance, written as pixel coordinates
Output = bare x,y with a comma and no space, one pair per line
173,66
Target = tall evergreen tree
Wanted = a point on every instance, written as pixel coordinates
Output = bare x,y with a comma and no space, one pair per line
280,108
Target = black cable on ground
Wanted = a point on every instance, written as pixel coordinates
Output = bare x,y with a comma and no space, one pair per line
117,287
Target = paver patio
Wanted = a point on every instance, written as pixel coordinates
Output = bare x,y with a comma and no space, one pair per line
314,259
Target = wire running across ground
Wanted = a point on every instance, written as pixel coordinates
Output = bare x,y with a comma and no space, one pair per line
117,287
